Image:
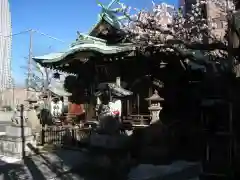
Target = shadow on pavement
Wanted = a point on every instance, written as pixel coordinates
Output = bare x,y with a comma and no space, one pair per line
37,167
70,164
22,171
55,166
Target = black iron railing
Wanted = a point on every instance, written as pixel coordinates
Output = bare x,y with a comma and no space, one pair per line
64,135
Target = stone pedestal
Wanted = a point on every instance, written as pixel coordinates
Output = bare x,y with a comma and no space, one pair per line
16,131
108,141
155,112
109,125
180,170
11,144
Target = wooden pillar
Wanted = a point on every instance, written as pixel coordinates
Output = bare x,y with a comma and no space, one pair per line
138,104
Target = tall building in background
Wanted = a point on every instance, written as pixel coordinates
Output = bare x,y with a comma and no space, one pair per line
5,45
214,11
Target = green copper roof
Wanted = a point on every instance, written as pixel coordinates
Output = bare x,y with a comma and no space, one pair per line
87,39
83,52
87,46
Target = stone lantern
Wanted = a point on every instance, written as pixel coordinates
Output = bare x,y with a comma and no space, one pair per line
31,101
155,106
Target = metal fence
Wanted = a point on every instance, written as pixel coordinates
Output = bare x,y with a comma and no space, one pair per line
64,135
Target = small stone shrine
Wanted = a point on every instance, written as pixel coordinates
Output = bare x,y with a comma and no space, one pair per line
109,135
17,137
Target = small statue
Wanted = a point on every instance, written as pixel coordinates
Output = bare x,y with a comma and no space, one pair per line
32,120
56,107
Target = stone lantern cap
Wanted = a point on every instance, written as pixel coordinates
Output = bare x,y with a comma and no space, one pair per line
155,97
31,100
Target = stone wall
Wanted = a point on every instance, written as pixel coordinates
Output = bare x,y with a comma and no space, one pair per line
11,143
12,146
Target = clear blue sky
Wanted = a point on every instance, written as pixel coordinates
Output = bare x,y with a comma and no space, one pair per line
58,18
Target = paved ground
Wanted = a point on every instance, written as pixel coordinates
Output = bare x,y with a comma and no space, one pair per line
5,119
58,164
44,166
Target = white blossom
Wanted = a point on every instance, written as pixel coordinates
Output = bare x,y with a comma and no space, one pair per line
163,22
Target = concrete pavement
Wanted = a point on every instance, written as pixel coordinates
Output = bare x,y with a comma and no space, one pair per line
56,165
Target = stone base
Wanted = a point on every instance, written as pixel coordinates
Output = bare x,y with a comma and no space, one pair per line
108,141
179,170
12,142
12,146
16,131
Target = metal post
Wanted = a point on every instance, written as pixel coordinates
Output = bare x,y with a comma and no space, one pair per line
46,91
43,135
22,130
138,106
29,62
13,94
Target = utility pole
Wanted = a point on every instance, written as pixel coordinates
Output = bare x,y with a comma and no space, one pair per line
29,62
13,94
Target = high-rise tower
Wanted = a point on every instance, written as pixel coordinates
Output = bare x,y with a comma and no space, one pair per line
5,45
214,11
